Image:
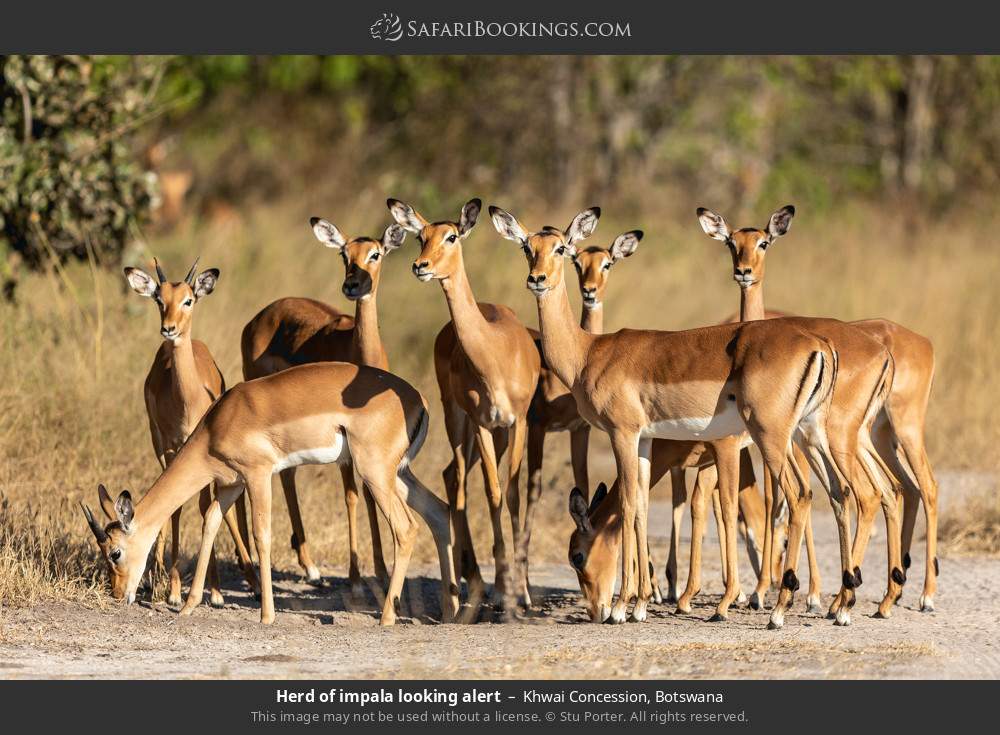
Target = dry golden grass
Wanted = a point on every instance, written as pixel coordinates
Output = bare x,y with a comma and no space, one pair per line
76,349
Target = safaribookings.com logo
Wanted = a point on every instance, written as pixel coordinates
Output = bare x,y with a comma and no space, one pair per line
390,28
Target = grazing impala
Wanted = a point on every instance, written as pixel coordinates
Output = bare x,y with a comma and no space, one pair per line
310,414
296,331
182,384
774,378
906,392
487,368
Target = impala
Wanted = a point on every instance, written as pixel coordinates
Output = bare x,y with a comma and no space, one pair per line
295,331
310,414
487,368
595,566
182,384
774,378
906,396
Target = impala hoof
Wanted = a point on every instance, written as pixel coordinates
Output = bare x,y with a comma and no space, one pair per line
777,622
657,596
813,604
313,577
926,603
718,618
638,613
617,616
741,598
842,618
756,601
216,600
186,611
175,601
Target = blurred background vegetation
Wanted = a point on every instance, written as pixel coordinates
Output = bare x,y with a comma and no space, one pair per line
892,162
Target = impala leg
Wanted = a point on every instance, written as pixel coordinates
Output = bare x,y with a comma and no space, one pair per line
727,463
259,490
678,499
174,590
518,434
454,475
494,498
625,447
378,559
351,506
645,582
404,531
704,485
720,531
759,596
536,446
434,511
796,491
215,598
751,512
298,530
224,497
235,512
916,456
813,599
883,484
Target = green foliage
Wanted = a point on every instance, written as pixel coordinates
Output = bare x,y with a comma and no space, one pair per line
69,177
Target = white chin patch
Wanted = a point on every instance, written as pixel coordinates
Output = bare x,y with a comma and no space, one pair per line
425,277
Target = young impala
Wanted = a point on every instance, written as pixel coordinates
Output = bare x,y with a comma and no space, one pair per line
182,384
774,378
487,368
310,414
296,331
898,426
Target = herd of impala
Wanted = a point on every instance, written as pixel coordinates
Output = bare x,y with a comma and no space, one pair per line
765,395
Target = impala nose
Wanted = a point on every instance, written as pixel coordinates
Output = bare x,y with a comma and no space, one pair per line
532,278
419,265
169,330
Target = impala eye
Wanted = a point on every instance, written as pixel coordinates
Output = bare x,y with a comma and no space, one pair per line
606,266
188,302
115,555
452,238
374,256
763,244
561,250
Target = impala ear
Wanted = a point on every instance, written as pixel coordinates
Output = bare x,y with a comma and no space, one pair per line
470,213
393,237
107,504
141,282
582,226
124,510
328,233
507,225
713,224
625,244
407,216
780,221
204,284
578,511
599,495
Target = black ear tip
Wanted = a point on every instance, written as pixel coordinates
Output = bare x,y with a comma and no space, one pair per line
313,221
700,211
790,209
494,210
638,234
390,202
602,488
596,211
477,201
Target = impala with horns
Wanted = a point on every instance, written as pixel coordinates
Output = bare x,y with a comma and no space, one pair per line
897,427
311,414
182,384
296,331
487,368
712,384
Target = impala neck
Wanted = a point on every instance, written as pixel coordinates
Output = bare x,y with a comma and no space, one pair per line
592,320
367,342
471,326
564,344
191,470
752,302
187,386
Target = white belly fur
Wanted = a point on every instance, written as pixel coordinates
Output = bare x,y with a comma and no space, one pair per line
336,452
699,428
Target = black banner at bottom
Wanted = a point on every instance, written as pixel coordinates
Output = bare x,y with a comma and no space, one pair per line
262,706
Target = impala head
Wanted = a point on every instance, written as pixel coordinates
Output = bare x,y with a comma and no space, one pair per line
175,300
440,242
593,549
748,246
546,249
120,545
362,256
593,266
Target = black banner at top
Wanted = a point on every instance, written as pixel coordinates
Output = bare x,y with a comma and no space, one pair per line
509,27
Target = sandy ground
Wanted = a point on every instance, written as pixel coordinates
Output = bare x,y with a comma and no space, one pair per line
322,633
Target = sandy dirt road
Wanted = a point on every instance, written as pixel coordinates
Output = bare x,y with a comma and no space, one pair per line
321,633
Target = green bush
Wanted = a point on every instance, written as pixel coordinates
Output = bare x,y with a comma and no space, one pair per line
70,178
